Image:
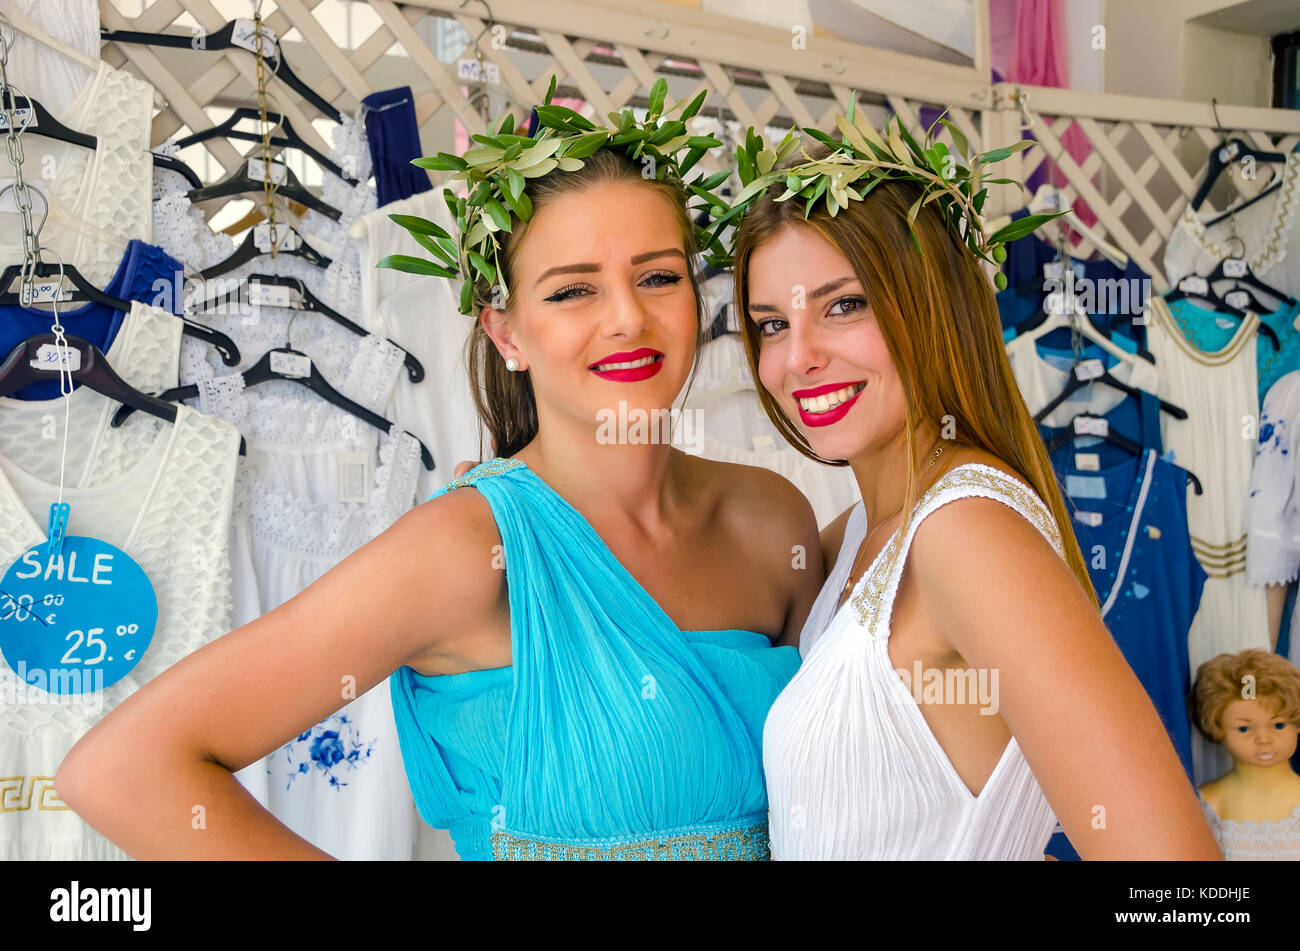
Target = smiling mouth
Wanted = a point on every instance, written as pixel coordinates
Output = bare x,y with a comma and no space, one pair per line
627,364
829,401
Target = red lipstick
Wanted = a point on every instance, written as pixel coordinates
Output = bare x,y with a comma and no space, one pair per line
831,415
629,374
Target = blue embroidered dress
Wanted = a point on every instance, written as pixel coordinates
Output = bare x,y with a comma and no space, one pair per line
613,735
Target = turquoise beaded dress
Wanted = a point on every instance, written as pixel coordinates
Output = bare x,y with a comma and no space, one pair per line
613,734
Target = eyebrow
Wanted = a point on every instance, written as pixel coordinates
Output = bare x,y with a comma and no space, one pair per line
593,268
822,291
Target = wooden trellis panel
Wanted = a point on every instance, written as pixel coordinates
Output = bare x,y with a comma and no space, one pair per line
1137,176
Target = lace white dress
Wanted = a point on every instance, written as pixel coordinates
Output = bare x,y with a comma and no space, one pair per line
1269,841
169,508
853,769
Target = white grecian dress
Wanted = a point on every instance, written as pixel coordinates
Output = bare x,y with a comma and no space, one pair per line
853,770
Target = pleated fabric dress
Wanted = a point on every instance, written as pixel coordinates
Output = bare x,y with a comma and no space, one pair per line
613,734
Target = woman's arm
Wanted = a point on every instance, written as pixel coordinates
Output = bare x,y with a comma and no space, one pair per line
997,590
155,775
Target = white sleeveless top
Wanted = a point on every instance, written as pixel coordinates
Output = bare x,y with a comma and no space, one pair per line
853,770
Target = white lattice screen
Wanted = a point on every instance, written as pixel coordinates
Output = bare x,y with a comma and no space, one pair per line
1145,156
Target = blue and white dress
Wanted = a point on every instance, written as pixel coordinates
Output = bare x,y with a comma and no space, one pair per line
613,734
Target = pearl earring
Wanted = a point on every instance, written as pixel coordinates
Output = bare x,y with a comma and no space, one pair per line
512,364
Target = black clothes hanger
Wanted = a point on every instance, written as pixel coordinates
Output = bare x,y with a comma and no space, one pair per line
1079,380
289,139
1222,157
222,39
249,250
88,291
1194,291
310,302
1140,336
42,123
262,371
240,182
1238,269
1068,435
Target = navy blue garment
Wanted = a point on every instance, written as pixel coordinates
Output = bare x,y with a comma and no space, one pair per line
394,140
1114,297
146,273
1147,579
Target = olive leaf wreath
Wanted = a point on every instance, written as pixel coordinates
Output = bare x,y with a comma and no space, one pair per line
496,176
862,159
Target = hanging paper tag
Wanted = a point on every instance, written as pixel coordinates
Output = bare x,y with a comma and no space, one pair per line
285,238
1092,519
1228,152
1088,461
1090,426
44,292
257,171
1085,487
1237,299
469,70
290,364
1224,323
24,118
51,357
1193,284
354,476
245,34
1089,369
1234,267
1054,270
77,621
267,295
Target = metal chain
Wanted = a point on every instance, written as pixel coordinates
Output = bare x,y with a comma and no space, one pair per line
32,247
268,185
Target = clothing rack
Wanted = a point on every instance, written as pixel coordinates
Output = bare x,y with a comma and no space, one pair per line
1146,153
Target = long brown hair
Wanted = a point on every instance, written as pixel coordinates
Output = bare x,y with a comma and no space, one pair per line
504,399
939,319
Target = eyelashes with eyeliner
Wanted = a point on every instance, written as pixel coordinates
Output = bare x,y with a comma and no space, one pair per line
668,279
856,299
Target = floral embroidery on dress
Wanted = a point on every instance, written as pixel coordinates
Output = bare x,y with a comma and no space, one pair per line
332,749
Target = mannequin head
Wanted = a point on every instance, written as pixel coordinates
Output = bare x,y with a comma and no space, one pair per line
909,328
1250,702
604,266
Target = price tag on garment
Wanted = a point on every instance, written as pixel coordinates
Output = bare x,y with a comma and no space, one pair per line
1054,270
44,292
1088,518
472,71
285,238
1228,152
1237,299
76,613
1224,323
245,34
24,118
268,295
1089,369
1091,426
290,364
354,476
1085,487
51,357
1193,284
1088,461
1234,267
257,171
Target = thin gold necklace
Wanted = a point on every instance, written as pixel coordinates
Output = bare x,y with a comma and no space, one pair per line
853,569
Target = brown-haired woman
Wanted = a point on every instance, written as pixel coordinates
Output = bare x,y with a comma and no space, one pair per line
950,703
603,695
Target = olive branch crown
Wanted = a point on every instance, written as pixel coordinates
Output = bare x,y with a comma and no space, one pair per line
862,159
496,177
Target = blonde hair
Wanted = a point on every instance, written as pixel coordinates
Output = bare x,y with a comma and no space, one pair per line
1220,681
939,319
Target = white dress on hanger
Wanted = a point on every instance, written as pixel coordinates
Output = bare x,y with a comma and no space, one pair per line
52,78
1268,229
98,199
853,769
169,510
1273,541
1041,381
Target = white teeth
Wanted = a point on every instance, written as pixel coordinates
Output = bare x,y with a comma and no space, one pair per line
828,401
628,365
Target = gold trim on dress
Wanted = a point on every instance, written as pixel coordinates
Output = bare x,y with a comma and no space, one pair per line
744,844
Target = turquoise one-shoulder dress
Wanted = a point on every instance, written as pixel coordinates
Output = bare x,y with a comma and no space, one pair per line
613,734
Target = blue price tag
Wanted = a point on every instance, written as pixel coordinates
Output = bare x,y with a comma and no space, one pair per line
75,616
